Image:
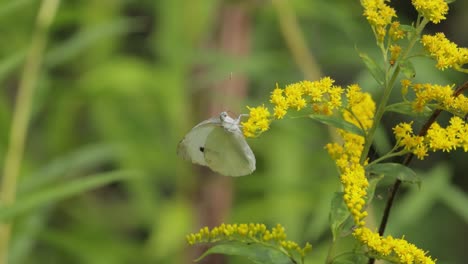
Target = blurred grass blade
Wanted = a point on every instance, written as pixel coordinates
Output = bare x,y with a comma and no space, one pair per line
9,7
11,62
62,191
82,159
72,47
80,41
457,200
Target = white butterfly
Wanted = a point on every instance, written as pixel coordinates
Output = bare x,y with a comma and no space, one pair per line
219,144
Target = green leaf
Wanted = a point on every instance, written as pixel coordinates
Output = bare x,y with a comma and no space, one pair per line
407,28
338,214
257,253
376,71
62,191
406,109
373,181
351,258
395,170
449,1
407,68
338,122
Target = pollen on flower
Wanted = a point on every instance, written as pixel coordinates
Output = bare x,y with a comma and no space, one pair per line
434,10
437,138
258,122
439,95
395,31
446,53
281,105
390,247
379,15
395,51
248,233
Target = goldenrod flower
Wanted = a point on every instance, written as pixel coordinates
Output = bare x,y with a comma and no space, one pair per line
395,31
259,121
434,10
437,138
395,51
393,249
447,53
379,16
439,95
322,96
248,233
280,102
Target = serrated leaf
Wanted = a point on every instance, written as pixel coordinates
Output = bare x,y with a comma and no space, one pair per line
376,71
257,253
338,214
407,68
407,109
395,170
338,123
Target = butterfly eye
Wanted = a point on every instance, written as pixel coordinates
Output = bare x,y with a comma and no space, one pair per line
223,116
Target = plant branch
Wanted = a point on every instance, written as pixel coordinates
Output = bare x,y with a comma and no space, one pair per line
407,160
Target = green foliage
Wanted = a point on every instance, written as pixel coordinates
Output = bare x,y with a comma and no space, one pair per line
120,84
256,253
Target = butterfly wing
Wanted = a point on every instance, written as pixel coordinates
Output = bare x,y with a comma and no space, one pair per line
227,153
192,147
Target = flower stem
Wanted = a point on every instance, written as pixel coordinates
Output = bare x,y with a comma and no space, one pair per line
407,160
21,116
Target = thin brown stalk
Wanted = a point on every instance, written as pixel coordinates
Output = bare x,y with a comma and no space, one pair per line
407,161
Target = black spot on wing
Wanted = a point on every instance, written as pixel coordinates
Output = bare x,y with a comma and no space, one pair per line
202,149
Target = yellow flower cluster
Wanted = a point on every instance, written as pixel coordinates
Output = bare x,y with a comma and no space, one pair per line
395,51
347,158
437,138
322,95
248,233
395,31
440,95
447,53
258,122
393,249
379,16
434,10
360,111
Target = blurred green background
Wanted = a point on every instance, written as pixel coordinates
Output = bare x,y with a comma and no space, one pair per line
123,81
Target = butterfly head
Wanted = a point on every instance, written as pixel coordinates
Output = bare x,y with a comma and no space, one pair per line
223,116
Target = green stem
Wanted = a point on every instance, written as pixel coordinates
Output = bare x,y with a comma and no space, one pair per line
21,116
387,91
387,156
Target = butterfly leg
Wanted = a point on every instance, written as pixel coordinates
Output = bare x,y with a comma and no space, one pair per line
239,118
